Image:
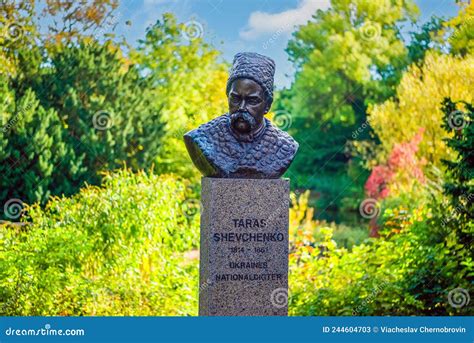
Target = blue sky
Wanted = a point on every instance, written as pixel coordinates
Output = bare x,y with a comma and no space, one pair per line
263,26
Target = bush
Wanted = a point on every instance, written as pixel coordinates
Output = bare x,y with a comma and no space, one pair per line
188,80
347,237
110,250
410,270
120,249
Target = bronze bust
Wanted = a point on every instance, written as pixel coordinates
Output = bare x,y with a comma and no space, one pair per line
242,143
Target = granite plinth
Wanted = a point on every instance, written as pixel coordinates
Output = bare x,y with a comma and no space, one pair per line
244,247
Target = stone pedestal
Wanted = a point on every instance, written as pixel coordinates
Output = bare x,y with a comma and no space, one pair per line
244,247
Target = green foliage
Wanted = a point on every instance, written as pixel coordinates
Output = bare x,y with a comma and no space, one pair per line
456,215
347,236
87,110
17,35
119,250
460,171
23,37
346,57
409,271
426,38
110,250
105,105
334,192
32,149
420,264
187,80
341,56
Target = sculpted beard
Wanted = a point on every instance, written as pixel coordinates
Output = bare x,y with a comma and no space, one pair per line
243,122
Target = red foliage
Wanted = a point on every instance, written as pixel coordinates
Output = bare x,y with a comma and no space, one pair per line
402,159
376,185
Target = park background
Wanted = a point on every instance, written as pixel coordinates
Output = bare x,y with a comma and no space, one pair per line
99,200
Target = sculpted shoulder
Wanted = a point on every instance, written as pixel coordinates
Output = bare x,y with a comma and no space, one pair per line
206,146
278,150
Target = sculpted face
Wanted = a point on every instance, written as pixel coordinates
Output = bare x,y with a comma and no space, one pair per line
247,105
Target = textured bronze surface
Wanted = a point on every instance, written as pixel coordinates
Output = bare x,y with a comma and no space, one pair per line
242,143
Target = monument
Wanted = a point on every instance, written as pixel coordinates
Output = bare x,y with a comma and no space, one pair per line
245,203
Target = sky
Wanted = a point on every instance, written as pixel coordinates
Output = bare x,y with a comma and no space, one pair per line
262,26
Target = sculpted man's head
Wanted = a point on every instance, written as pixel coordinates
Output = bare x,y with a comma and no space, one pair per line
243,143
250,91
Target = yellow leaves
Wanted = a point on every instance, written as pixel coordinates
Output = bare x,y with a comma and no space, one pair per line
299,208
16,29
418,101
462,37
7,67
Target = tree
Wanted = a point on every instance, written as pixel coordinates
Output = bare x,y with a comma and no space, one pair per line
428,37
69,20
31,151
96,115
443,277
187,81
462,28
17,33
416,104
460,170
106,106
23,39
73,105
346,57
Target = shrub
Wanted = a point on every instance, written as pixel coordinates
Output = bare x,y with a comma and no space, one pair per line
402,172
110,250
32,149
410,270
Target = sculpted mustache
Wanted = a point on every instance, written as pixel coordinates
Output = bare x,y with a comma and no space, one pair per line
244,116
